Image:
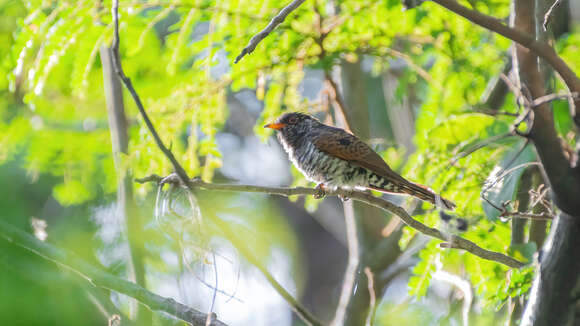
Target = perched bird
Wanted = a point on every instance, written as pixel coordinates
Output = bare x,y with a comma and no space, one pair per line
334,158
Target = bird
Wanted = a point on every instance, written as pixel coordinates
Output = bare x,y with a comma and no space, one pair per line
334,158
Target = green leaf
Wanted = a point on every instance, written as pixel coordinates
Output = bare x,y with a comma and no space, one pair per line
72,192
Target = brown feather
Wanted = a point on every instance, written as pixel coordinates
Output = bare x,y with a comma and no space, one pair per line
341,144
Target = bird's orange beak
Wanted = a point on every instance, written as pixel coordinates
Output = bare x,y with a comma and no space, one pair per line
276,126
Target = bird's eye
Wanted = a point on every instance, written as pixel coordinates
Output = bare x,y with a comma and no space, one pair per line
292,120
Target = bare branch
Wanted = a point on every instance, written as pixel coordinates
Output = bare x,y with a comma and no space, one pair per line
554,96
127,82
338,101
277,20
457,241
373,296
531,216
479,145
101,278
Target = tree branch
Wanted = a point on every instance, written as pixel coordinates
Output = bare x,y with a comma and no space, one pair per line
127,82
277,20
367,198
542,49
101,278
338,100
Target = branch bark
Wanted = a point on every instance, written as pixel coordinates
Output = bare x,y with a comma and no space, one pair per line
557,285
557,281
449,240
101,278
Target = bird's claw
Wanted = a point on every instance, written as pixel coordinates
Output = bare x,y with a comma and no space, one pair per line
347,194
172,178
320,192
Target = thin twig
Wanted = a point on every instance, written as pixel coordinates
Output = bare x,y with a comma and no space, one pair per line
420,71
548,15
479,146
338,100
459,242
554,96
101,278
277,20
531,216
127,82
516,90
373,297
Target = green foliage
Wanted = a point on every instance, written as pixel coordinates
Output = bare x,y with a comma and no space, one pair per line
404,314
518,283
419,282
179,56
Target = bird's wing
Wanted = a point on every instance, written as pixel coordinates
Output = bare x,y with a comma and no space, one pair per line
339,143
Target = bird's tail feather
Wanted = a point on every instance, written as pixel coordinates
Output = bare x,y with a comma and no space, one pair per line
422,192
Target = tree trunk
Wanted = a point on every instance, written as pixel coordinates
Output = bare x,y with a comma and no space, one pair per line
556,286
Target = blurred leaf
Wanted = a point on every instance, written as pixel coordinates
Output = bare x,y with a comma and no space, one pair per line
502,183
523,251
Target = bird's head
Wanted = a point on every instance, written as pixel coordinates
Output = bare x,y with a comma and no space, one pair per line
293,124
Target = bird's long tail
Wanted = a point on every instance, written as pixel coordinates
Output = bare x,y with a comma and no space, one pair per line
419,191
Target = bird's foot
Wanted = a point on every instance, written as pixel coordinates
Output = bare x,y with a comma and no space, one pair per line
343,198
172,179
320,191
347,194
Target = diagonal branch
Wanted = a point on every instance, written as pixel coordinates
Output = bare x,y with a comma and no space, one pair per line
541,49
338,101
277,20
450,240
127,82
101,278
